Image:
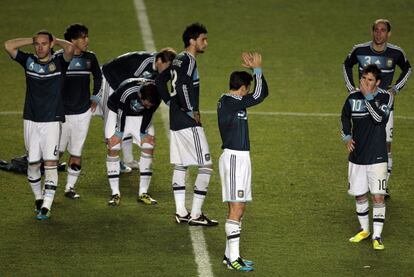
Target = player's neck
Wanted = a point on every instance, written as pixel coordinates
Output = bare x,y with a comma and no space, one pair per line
191,50
45,59
77,51
379,47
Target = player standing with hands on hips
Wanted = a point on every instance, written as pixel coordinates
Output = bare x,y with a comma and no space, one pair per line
234,164
364,116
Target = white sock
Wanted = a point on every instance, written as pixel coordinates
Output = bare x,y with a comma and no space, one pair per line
232,229
51,182
127,150
378,216
178,184
113,168
35,180
362,210
227,251
73,175
145,170
200,190
389,166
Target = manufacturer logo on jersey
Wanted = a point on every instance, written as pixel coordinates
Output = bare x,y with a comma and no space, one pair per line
242,115
240,193
78,64
389,63
52,67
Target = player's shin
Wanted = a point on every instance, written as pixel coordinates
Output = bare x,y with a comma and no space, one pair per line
34,177
113,168
200,190
178,185
74,171
378,215
362,210
232,229
51,181
145,169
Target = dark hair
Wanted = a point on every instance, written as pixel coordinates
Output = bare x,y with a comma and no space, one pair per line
149,92
44,32
372,68
384,21
75,31
193,31
240,78
166,55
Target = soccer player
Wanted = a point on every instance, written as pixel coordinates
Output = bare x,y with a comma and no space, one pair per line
132,65
386,56
43,110
131,107
364,117
234,164
188,143
78,102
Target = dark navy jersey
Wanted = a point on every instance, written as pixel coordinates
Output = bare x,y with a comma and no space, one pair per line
44,83
364,121
125,101
232,115
129,65
363,55
185,84
76,90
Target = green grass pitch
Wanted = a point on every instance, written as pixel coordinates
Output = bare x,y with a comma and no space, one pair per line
301,216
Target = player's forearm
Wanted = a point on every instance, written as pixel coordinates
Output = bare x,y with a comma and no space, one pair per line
402,79
68,48
348,77
13,45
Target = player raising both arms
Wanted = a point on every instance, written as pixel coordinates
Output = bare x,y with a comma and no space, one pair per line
43,110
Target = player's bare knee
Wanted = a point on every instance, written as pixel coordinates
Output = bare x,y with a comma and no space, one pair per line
361,198
148,151
378,198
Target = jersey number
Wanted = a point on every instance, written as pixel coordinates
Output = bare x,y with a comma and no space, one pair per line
356,105
173,81
382,184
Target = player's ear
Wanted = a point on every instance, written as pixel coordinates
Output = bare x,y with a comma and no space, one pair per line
389,34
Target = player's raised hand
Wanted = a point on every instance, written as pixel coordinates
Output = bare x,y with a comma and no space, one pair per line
251,59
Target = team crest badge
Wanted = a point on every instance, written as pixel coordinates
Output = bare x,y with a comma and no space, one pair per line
240,193
52,67
207,156
389,63
88,64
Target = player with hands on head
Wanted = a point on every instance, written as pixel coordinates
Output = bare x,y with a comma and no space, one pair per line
43,110
234,164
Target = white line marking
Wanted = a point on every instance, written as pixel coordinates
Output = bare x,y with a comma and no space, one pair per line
197,236
165,115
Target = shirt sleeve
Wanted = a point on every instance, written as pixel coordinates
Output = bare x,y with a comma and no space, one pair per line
380,112
345,121
348,64
97,75
182,83
162,85
405,66
21,58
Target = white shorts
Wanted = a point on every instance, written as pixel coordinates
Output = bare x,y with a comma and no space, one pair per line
105,92
189,147
132,128
390,126
74,132
236,176
367,178
41,140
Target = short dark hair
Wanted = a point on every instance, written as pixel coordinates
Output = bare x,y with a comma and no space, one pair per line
75,31
240,78
149,92
193,31
372,68
44,32
384,21
166,55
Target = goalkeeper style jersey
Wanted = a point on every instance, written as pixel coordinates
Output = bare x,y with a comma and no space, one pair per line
364,121
232,114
